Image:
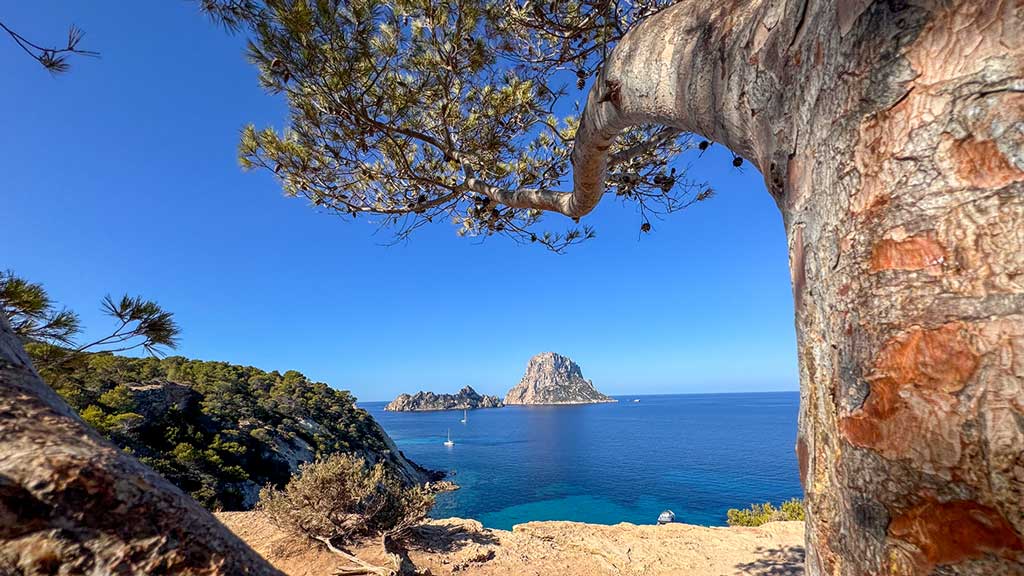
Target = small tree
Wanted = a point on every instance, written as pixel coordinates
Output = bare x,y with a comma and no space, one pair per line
339,498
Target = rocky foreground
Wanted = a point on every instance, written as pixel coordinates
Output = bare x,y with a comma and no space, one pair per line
554,379
466,399
456,546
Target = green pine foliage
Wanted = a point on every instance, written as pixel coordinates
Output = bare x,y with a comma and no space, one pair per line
35,318
216,436
758,514
399,108
33,315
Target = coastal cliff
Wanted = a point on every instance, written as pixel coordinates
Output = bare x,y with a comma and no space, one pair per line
220,431
465,399
554,379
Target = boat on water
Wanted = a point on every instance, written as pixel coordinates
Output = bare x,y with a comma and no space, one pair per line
666,517
636,399
465,416
449,442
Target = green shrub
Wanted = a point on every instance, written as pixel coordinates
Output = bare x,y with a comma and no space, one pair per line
339,498
95,416
118,399
758,514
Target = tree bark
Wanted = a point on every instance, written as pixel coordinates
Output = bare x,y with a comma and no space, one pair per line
72,503
891,135
903,200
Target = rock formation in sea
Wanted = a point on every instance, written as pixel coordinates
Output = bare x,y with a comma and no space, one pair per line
466,399
554,379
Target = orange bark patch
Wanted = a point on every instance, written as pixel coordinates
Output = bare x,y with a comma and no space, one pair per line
799,181
950,532
940,359
979,163
909,412
914,253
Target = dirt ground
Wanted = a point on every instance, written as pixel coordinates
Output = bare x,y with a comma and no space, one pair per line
456,546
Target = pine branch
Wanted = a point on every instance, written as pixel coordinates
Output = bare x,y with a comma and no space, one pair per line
55,60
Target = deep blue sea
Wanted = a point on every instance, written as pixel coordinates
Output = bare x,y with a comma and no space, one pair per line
696,454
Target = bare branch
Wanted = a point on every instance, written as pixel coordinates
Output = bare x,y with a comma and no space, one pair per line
53,59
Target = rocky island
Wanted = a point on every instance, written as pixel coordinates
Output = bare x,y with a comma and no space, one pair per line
554,379
466,399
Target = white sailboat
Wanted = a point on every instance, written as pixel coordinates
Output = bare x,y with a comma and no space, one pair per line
465,416
449,442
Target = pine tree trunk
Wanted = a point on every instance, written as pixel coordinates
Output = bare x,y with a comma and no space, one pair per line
72,502
891,135
903,201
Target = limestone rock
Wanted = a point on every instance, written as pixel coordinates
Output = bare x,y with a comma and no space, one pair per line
457,547
554,379
466,399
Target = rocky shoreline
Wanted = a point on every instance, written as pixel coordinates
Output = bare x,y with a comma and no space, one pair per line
455,546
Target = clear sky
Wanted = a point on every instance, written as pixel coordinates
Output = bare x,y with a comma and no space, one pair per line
121,176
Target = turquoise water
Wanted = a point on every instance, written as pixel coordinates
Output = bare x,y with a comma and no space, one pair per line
696,454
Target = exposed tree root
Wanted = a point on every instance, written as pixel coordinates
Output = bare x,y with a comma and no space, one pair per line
361,567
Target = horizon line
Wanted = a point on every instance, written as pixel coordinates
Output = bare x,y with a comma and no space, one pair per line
797,391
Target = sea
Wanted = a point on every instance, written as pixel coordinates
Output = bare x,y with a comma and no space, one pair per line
695,454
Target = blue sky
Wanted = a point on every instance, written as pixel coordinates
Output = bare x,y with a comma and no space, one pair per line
121,176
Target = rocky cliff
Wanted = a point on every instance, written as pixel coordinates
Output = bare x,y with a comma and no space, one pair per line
554,379
466,399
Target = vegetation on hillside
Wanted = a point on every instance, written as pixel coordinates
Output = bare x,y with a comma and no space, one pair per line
216,430
758,514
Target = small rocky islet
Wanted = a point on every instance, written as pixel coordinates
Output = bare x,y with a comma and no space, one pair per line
465,399
550,378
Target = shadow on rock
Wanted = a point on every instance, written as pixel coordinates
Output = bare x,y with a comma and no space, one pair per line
446,538
782,561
